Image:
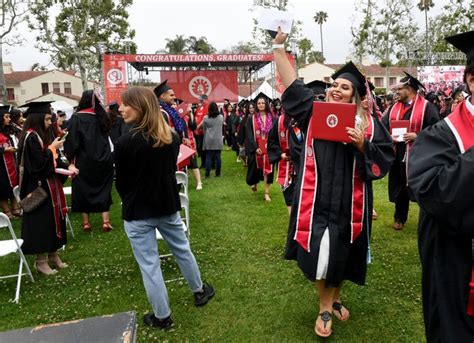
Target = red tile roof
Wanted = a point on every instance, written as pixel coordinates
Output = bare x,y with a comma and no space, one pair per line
17,77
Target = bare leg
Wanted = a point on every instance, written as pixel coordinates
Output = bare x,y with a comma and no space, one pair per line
86,226
289,210
106,227
326,296
56,260
197,176
343,313
42,266
5,208
15,207
266,187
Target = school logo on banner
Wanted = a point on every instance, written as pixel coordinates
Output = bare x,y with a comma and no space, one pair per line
200,85
115,76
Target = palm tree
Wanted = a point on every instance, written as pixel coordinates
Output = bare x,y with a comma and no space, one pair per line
177,45
304,46
320,18
199,45
425,5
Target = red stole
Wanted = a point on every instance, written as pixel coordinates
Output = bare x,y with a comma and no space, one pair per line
308,191
461,124
262,160
416,119
9,161
192,143
285,168
201,112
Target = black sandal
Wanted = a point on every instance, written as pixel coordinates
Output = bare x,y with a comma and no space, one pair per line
326,317
337,306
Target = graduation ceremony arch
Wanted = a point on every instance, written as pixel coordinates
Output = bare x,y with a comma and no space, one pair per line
191,75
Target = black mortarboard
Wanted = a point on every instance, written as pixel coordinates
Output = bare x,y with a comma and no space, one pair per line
179,101
262,95
227,100
5,109
412,81
242,103
351,73
371,86
161,88
460,89
37,107
318,87
464,42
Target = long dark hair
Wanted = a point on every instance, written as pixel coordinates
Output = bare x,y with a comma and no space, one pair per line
90,100
7,129
267,105
35,121
113,113
213,110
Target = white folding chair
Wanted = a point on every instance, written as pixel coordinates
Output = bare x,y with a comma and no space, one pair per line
10,246
182,179
68,191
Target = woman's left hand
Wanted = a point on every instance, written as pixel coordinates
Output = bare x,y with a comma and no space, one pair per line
357,137
73,168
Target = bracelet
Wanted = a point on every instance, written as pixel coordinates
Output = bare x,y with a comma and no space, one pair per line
278,46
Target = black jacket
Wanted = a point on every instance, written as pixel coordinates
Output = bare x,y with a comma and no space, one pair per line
145,177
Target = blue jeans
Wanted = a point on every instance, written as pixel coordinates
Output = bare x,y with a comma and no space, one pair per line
142,236
212,155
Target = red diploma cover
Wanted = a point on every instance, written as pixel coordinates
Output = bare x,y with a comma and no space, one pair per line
331,119
184,156
398,128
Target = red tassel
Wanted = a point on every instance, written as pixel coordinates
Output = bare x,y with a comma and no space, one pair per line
470,304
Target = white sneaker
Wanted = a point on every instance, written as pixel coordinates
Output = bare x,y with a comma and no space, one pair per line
239,160
199,186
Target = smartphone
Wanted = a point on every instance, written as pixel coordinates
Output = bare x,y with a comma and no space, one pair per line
63,138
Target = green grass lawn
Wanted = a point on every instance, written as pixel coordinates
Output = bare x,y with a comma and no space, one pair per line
238,240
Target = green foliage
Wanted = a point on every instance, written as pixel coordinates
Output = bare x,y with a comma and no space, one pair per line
238,241
304,46
182,45
81,31
315,56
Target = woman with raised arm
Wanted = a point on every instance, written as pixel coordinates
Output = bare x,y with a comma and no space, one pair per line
330,222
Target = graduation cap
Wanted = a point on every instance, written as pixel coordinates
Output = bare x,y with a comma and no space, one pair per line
37,107
179,101
161,88
5,109
318,87
464,42
371,86
262,95
411,81
350,72
242,103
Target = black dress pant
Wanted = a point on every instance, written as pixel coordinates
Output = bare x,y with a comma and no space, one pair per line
402,205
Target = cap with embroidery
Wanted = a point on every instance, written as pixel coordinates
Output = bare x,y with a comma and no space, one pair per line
350,72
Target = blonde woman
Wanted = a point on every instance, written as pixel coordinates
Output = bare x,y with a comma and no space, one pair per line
145,161
330,220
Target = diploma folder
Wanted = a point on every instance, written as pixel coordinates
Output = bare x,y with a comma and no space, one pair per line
398,128
331,119
184,156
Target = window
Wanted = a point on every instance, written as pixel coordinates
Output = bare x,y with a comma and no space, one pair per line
45,88
56,88
67,88
392,81
10,94
378,81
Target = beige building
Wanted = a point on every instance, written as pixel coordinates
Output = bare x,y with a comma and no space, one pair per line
373,72
25,86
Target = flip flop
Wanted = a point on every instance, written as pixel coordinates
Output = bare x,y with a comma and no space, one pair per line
326,317
337,310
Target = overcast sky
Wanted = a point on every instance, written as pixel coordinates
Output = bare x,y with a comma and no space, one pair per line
222,22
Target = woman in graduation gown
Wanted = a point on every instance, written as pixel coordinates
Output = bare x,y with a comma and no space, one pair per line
88,148
43,229
330,221
258,127
441,177
8,170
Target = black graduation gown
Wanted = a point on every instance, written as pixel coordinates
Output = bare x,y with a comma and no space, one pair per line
397,178
90,148
442,182
118,129
38,228
334,195
254,175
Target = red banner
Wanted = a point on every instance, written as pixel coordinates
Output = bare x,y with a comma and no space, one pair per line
115,79
189,85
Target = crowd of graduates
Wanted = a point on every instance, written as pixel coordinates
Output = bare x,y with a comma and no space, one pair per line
326,184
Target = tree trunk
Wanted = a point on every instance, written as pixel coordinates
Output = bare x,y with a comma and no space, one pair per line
3,93
321,34
82,72
428,57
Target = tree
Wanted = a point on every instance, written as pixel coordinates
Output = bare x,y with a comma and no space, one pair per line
82,31
425,5
36,66
315,56
304,45
320,18
241,47
362,35
178,45
199,46
12,13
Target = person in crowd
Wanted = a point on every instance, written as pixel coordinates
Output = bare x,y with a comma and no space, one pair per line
233,126
440,176
248,110
228,113
420,113
201,112
117,126
87,147
8,169
43,230
16,123
180,124
447,105
145,160
329,242
212,125
277,109
61,120
258,127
